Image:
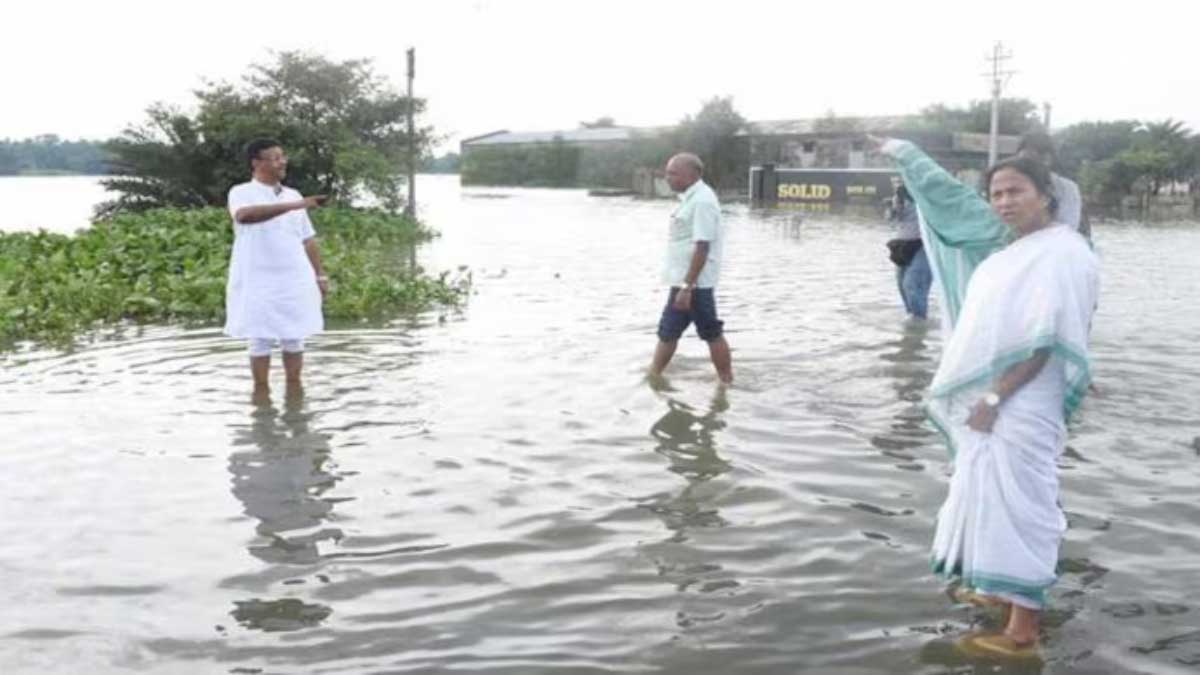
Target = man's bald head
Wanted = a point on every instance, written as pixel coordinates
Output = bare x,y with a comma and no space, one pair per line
690,161
683,170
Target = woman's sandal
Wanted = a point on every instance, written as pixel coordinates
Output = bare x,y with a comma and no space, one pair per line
966,596
997,645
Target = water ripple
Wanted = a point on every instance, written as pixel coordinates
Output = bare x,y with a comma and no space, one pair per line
500,490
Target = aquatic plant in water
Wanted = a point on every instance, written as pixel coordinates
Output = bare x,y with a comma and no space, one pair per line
169,266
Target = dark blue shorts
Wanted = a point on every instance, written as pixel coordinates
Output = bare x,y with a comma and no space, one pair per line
703,313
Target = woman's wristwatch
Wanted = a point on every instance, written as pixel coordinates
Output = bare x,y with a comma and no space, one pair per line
991,399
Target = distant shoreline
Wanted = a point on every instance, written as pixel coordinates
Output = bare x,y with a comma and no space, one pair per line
42,173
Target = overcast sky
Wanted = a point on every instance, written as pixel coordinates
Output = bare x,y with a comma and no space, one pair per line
87,69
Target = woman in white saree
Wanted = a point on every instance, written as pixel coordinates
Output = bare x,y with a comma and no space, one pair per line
1015,366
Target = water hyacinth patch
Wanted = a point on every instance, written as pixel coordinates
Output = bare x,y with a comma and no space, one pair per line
170,265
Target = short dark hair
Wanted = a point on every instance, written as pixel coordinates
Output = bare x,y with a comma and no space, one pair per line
1038,141
255,147
1035,171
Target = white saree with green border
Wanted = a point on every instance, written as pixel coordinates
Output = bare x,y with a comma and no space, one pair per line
1000,527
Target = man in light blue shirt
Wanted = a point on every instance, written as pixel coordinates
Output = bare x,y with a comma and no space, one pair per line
695,244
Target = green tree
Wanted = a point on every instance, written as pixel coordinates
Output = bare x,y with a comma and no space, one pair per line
553,164
447,163
1092,142
1116,159
340,123
1016,116
712,134
1194,180
1171,141
1145,165
165,161
50,154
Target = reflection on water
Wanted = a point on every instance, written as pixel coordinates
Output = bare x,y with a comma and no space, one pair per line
280,478
500,491
283,614
943,652
279,469
688,441
911,367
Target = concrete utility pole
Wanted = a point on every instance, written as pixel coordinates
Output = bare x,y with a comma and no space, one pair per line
999,78
410,208
1046,116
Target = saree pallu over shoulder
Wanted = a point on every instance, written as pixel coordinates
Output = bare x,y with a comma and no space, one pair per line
960,232
1037,294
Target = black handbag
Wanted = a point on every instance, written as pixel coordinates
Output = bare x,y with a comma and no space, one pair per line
902,251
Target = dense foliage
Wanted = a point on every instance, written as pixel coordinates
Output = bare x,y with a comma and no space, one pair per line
447,163
554,164
1015,117
169,265
1116,159
341,125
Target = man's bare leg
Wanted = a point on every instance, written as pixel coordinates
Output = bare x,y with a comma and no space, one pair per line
718,349
662,356
293,363
260,369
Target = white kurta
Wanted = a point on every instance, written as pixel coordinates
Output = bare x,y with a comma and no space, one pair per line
272,289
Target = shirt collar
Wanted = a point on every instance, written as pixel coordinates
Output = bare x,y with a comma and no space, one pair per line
692,189
275,189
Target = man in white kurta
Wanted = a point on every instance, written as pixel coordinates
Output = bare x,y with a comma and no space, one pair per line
275,282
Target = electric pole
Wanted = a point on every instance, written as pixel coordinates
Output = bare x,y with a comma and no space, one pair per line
410,207
999,77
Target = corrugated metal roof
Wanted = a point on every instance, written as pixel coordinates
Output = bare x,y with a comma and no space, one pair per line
820,125
835,125
569,136
480,137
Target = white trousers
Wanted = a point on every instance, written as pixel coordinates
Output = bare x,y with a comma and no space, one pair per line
262,346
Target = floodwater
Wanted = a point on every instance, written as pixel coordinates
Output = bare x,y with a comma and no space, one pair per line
60,204
500,490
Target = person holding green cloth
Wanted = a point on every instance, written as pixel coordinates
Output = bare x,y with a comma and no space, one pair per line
1018,290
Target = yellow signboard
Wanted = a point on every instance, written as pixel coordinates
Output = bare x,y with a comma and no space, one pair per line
813,191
